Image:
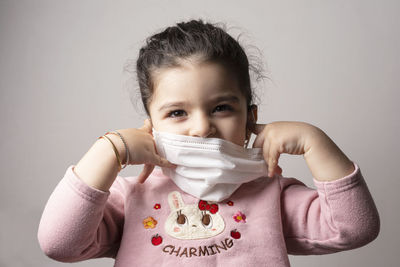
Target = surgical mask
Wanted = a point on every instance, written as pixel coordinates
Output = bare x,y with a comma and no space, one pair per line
210,169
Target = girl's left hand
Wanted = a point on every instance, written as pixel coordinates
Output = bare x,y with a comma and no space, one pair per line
325,160
280,137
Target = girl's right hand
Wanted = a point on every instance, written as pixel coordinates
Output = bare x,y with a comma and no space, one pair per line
142,149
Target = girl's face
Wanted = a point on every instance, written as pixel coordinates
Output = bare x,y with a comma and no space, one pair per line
201,100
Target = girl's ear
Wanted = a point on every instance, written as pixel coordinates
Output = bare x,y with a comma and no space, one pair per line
251,119
150,122
252,114
251,122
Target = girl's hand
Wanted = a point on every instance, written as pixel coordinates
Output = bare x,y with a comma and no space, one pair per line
325,160
142,149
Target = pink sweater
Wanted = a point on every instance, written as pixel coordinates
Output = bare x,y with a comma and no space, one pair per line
156,224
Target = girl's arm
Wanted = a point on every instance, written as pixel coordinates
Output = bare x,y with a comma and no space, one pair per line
84,215
341,213
99,167
81,222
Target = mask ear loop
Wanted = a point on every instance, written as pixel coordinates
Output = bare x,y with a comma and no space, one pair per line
246,142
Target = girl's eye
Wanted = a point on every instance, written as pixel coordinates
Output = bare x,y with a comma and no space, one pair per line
222,108
176,113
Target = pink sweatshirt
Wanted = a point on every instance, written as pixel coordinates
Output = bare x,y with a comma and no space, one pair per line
156,224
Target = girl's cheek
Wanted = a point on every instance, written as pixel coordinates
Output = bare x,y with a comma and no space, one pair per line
177,229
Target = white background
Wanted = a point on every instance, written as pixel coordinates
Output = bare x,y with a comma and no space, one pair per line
334,64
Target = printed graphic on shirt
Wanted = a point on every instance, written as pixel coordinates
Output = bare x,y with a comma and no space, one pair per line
239,217
149,222
199,251
192,221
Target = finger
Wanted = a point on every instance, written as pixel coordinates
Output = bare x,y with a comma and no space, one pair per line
147,169
162,162
273,157
259,141
265,149
278,170
258,130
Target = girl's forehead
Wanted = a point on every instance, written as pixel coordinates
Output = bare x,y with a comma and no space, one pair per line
201,81
194,72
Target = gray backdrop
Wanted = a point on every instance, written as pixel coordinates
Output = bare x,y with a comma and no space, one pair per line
334,64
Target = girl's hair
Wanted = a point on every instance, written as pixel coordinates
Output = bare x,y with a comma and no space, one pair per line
192,40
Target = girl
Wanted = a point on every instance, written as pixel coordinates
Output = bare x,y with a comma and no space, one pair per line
211,201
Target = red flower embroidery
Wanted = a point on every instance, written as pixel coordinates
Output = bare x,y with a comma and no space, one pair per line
203,205
157,206
230,203
239,217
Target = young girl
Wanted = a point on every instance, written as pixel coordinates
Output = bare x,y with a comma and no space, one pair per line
211,201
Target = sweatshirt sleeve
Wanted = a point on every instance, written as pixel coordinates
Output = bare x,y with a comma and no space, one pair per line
80,222
339,215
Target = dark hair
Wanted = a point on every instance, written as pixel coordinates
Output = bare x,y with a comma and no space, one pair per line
195,39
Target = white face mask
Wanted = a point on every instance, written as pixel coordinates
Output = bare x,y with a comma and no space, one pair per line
210,169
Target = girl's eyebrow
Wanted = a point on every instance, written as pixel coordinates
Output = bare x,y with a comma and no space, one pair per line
171,105
227,98
223,98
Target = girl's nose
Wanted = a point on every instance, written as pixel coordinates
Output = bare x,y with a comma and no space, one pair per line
201,126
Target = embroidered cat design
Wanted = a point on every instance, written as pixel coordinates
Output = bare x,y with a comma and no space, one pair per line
193,221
